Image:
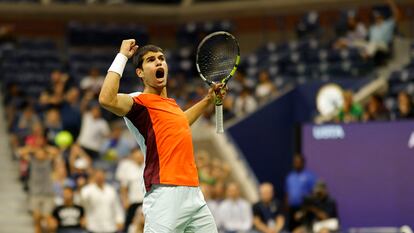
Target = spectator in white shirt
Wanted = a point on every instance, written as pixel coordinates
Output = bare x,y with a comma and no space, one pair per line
94,131
93,81
235,213
130,175
103,209
265,89
245,103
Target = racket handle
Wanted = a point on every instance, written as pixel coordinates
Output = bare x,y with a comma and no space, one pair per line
219,119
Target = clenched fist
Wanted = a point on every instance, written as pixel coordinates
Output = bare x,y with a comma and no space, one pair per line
128,48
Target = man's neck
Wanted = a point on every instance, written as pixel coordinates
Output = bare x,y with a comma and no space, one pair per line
161,92
68,203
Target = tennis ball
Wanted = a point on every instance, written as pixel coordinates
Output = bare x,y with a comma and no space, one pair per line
63,139
111,155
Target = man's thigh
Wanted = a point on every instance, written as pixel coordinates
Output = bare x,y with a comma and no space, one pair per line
201,222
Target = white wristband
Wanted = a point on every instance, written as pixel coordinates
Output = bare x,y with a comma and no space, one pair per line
118,65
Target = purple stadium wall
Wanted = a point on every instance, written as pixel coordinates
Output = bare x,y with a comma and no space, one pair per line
369,169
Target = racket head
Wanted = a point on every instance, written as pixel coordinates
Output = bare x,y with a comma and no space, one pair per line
217,58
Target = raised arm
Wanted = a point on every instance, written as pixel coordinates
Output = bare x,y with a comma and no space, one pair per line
395,10
119,104
197,109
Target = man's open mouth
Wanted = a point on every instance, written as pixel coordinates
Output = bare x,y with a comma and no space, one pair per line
159,73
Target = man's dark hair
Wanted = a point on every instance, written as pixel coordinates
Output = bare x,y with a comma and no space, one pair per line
139,55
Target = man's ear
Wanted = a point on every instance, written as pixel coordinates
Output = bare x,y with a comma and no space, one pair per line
139,72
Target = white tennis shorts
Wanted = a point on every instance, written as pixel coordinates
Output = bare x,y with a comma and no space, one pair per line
177,209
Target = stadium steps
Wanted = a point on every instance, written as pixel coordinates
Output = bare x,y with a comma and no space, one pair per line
220,146
14,215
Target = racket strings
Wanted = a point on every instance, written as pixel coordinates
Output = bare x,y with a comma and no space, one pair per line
217,58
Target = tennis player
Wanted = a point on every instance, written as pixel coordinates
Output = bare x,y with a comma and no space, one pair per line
173,201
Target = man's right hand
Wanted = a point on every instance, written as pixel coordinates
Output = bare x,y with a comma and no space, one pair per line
128,48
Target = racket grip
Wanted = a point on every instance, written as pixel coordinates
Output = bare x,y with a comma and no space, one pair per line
219,119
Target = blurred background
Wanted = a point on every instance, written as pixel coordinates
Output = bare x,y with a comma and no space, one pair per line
319,116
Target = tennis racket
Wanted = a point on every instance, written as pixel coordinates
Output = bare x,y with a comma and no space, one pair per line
218,56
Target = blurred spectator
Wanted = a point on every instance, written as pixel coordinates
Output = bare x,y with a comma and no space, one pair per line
215,196
228,104
267,213
236,85
207,190
41,193
137,225
405,109
27,119
53,125
204,167
60,181
34,140
53,95
319,210
102,206
381,32
375,109
220,170
7,34
37,136
299,184
14,101
309,26
71,112
117,146
79,165
350,111
265,89
94,131
68,217
235,213
93,81
130,175
356,32
245,103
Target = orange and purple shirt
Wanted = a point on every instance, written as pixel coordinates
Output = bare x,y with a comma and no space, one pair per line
164,136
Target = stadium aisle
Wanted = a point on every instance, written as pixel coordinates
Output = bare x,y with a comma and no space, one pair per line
14,216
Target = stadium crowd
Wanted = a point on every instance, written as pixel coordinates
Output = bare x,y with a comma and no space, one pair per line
83,171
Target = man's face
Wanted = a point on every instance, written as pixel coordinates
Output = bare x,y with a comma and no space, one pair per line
67,195
96,112
233,191
298,164
266,193
100,177
154,70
